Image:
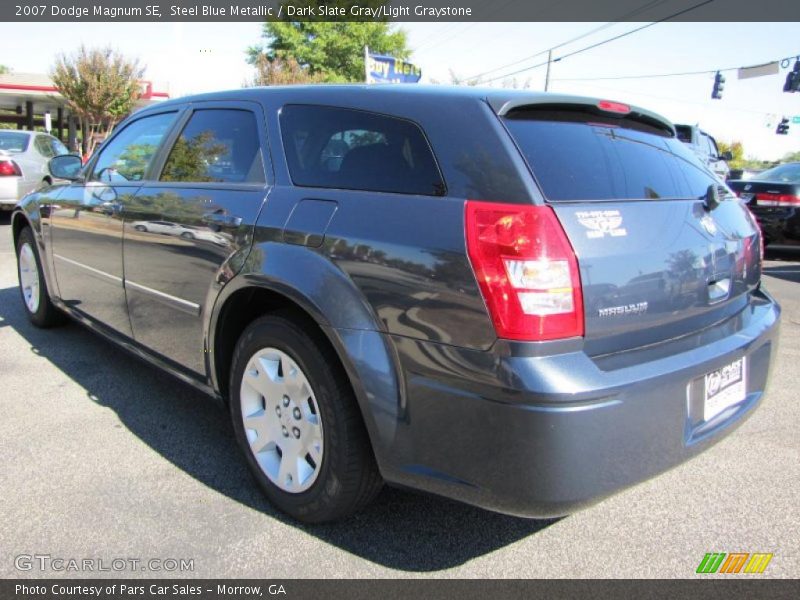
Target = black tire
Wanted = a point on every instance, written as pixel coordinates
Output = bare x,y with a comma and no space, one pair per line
348,478
46,314
187,235
140,228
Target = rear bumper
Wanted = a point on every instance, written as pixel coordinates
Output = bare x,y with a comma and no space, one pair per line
543,436
778,225
9,192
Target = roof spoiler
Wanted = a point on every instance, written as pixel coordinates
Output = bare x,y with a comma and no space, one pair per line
502,106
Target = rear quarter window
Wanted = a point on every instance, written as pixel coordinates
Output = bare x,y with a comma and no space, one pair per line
342,148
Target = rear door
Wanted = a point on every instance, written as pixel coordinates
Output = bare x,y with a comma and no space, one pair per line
187,232
656,260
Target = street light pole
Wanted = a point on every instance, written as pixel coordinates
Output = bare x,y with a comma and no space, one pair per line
547,75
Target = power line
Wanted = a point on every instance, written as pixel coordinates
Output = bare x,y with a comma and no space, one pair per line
435,38
595,45
629,15
469,25
522,60
684,100
706,72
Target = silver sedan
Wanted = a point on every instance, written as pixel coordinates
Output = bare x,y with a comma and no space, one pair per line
23,163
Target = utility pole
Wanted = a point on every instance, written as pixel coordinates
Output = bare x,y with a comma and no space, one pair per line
547,76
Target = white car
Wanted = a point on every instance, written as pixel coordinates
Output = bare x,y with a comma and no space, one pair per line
23,163
182,231
163,227
705,147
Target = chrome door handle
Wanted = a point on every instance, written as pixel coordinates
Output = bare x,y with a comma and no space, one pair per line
222,220
718,290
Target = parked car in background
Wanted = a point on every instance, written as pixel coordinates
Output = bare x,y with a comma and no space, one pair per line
773,196
523,301
187,232
23,163
163,227
705,147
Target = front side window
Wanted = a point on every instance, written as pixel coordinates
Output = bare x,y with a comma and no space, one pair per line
217,145
129,154
341,148
56,147
707,145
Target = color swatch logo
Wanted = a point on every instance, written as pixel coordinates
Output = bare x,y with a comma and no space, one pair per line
735,562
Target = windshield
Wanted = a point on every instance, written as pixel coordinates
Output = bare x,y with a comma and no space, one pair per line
782,174
11,141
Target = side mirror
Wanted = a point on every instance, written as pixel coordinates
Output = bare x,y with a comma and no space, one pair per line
66,166
726,156
712,197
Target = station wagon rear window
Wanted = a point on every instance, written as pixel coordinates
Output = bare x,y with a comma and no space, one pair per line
342,148
583,156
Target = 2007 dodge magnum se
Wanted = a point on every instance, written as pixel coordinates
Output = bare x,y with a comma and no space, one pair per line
522,301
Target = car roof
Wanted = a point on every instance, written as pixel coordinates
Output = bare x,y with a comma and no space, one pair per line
22,132
500,99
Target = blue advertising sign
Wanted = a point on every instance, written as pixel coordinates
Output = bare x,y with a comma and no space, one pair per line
388,69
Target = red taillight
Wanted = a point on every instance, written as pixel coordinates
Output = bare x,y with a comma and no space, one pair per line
615,107
526,270
767,199
9,168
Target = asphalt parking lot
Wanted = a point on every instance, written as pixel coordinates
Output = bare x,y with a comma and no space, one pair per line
105,457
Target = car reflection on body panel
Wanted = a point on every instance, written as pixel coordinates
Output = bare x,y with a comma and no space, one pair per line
183,231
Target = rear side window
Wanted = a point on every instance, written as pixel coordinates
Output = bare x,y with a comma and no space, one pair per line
684,133
585,157
217,145
44,147
351,149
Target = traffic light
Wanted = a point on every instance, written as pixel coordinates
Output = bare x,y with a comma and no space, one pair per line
783,127
719,85
793,79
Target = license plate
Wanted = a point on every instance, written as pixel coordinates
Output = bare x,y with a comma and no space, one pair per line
724,387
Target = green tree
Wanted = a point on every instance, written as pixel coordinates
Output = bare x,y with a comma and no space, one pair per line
736,149
334,51
791,157
4,69
280,71
100,86
190,158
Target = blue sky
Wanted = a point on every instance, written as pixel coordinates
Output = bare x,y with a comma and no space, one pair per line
197,57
